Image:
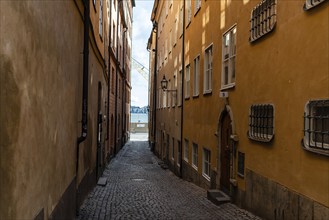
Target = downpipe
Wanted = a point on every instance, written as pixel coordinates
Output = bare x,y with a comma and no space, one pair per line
84,130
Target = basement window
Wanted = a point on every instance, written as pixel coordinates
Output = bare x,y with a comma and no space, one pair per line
261,123
263,19
312,3
316,126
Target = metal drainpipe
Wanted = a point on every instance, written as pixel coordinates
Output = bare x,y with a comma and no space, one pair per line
84,130
155,27
116,83
109,76
182,94
123,82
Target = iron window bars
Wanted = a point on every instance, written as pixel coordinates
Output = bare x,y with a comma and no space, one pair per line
263,19
312,3
316,126
261,123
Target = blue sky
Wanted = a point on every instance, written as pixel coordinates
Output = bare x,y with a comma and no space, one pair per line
142,27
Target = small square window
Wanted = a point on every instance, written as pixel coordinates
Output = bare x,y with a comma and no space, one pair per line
316,126
261,123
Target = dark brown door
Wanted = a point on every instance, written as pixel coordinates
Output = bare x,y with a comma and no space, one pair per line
226,131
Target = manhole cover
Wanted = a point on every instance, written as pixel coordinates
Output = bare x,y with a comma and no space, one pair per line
138,179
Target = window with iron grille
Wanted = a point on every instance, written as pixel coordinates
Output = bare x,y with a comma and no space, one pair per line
261,123
263,19
316,126
312,3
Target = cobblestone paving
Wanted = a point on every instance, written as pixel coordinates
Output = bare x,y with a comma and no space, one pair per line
137,188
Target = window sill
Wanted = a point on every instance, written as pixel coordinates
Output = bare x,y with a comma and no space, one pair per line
305,146
187,98
259,139
188,24
197,11
194,167
206,176
228,86
195,96
207,92
186,160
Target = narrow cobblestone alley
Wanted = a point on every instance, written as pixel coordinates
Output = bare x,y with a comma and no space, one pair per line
137,188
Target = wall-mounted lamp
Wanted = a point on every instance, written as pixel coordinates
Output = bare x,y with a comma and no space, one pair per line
164,85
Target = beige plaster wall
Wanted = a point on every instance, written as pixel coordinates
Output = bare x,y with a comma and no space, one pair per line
41,71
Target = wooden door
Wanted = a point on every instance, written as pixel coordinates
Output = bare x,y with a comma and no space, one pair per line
226,131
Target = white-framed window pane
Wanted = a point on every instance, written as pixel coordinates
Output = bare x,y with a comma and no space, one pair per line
316,126
173,149
179,152
229,58
101,18
187,80
186,146
261,123
195,156
208,70
206,163
196,75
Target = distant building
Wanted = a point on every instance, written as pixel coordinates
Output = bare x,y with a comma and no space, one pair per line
247,100
65,93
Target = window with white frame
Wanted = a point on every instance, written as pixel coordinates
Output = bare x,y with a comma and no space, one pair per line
169,94
186,146
170,40
164,99
195,156
197,5
175,88
207,80
228,58
175,31
316,126
179,90
101,18
312,3
196,76
188,11
261,122
206,163
181,21
179,152
173,149
263,19
187,81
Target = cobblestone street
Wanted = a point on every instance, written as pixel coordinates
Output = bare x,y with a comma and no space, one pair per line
137,188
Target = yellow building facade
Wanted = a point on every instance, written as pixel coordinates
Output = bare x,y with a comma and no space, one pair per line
251,100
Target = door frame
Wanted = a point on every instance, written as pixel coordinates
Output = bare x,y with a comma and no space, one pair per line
226,111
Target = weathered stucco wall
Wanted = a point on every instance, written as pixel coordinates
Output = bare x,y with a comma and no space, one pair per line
286,68
41,68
